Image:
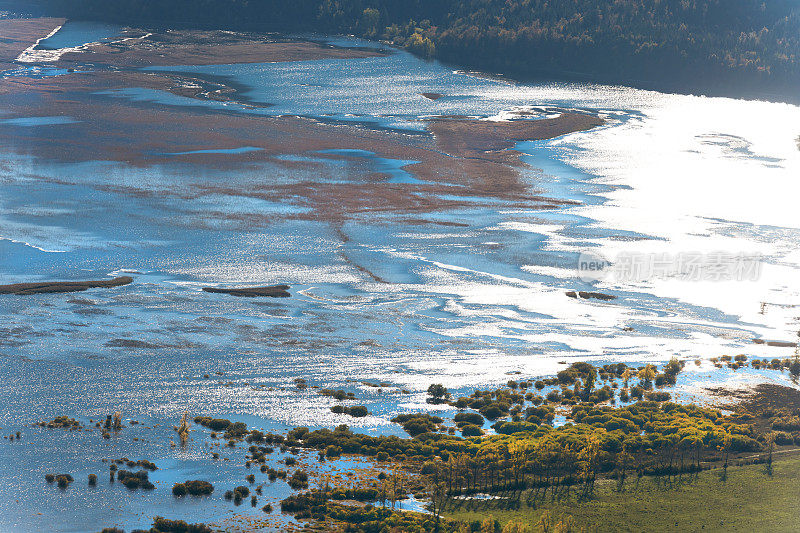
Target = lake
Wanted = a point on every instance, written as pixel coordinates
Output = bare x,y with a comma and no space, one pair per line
467,293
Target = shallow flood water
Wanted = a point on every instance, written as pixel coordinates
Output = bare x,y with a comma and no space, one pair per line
380,297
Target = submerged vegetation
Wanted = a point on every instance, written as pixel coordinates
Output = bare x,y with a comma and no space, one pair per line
164,525
529,456
135,480
193,487
64,422
317,505
339,395
356,411
62,480
528,451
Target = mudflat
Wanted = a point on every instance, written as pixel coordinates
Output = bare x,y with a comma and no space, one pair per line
461,135
140,48
460,157
455,161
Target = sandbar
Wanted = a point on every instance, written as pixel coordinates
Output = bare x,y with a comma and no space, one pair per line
62,286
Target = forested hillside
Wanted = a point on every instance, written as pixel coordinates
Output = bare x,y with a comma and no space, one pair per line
737,47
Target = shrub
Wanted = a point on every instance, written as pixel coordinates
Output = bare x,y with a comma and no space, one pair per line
303,502
217,424
741,443
162,525
299,480
782,438
336,394
198,487
674,366
538,415
255,436
495,410
134,480
297,433
658,396
787,424
567,377
179,489
63,480
237,429
462,403
509,428
417,423
468,418
148,465
331,451
62,422
358,411
438,393
471,430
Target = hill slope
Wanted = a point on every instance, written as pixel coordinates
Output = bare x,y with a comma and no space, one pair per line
734,47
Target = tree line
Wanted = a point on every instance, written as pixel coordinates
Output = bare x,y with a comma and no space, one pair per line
737,47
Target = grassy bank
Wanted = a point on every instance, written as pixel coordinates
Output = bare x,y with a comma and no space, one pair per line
748,500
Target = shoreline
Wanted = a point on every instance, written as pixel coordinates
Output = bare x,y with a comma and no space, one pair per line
21,34
717,89
176,48
326,468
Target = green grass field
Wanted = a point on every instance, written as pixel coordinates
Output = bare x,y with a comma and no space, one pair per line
748,501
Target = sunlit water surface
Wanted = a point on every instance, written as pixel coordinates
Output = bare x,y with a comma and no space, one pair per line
464,306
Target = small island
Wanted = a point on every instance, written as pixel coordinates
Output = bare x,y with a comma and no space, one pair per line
272,291
24,289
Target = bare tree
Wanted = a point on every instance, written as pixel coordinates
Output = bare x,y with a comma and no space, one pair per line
770,448
183,429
